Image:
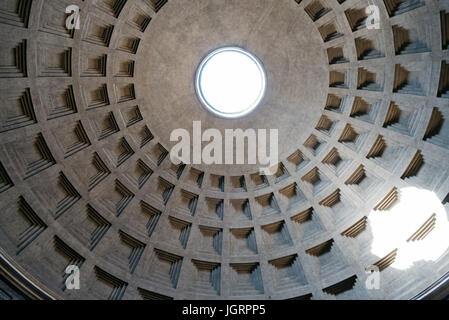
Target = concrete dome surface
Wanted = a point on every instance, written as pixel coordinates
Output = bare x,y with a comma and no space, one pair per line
357,207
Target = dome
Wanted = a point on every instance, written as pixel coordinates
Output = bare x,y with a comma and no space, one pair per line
354,207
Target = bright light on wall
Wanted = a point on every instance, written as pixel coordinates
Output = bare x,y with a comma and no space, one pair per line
230,82
392,228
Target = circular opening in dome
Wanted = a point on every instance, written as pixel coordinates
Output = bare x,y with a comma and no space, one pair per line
230,82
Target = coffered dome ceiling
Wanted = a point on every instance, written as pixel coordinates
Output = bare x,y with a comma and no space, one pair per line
86,179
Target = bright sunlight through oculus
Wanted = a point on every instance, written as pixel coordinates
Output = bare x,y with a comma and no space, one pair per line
392,229
230,82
